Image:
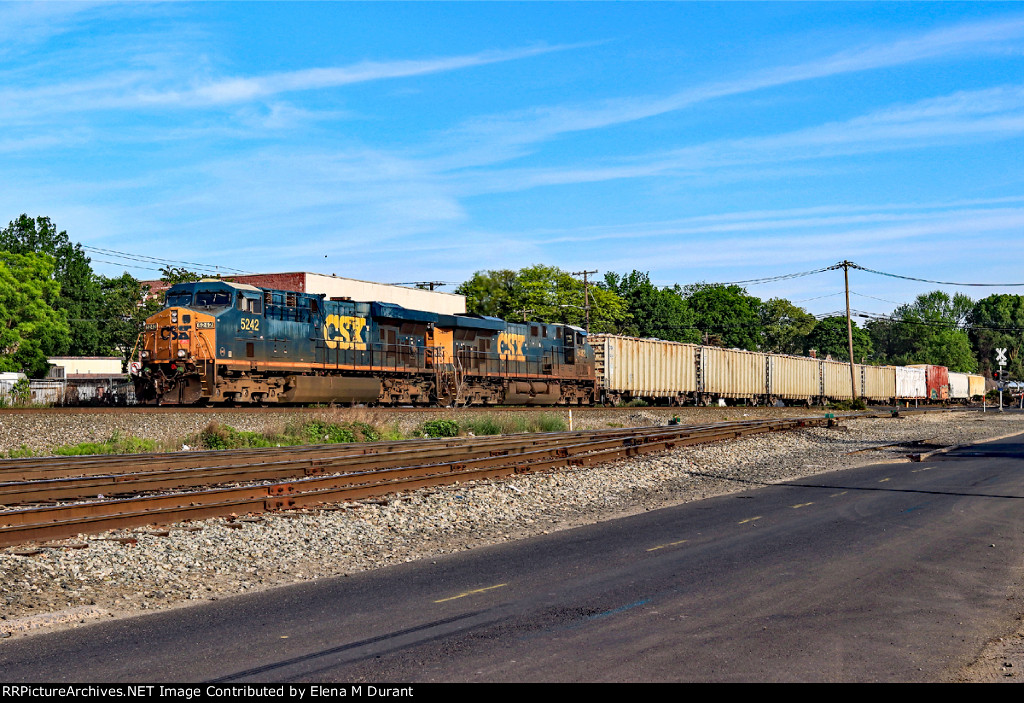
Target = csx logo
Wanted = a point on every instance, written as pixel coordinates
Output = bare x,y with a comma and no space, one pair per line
180,333
510,346
343,332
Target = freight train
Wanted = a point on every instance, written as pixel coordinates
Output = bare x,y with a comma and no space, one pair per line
674,373
222,342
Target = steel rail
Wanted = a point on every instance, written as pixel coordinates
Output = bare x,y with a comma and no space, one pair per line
337,461
32,468
56,522
39,468
35,491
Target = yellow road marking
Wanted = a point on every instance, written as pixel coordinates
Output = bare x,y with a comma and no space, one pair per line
749,519
836,495
926,468
470,593
801,505
884,480
670,544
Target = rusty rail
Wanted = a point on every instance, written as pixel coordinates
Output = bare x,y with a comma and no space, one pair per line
352,474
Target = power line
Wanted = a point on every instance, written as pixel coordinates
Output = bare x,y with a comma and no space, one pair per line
157,260
934,323
883,300
834,267
834,313
771,279
424,284
121,263
819,297
925,280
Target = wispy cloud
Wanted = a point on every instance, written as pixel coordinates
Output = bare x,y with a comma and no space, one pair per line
26,24
235,90
140,89
504,136
992,113
737,235
176,134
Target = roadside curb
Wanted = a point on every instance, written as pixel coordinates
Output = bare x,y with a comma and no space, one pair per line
927,455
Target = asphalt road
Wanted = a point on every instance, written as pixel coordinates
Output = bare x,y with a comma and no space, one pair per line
895,572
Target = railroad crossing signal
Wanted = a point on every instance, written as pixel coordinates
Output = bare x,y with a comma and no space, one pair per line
1001,356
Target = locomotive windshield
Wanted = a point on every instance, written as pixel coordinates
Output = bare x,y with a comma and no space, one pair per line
179,300
213,298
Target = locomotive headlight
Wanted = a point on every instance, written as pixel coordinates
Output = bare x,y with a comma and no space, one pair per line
174,315
145,353
182,353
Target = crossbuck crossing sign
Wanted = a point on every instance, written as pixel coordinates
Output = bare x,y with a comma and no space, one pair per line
1001,356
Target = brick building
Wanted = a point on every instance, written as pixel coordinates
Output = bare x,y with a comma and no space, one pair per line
338,287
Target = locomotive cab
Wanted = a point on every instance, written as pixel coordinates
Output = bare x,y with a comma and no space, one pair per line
180,344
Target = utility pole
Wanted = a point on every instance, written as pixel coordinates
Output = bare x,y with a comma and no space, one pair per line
845,265
586,296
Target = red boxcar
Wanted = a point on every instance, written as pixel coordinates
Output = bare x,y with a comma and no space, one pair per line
937,379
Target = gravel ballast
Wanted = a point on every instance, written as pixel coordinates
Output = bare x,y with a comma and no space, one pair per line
98,576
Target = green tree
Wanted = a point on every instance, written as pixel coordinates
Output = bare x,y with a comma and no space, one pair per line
885,339
726,315
30,324
830,339
545,294
124,310
929,331
784,326
174,274
998,321
79,290
493,293
653,312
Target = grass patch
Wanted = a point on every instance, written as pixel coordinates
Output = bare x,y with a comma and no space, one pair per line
218,436
439,428
551,422
516,424
323,432
391,433
21,452
334,428
115,444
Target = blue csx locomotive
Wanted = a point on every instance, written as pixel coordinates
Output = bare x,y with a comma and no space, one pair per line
217,342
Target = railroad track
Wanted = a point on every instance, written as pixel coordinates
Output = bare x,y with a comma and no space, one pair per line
248,408
155,489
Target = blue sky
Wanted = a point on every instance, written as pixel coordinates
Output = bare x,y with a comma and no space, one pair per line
422,142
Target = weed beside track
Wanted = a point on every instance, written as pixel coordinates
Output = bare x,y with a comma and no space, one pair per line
219,435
